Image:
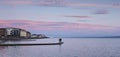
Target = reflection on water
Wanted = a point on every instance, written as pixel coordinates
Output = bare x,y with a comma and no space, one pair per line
90,47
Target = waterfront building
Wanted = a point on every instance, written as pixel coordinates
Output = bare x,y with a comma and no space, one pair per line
14,32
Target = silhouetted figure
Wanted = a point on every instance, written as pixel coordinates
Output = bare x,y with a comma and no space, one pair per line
60,40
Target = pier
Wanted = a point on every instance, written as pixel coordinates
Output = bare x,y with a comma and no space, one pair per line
31,44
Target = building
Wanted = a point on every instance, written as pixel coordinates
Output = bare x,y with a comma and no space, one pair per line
38,36
3,32
14,32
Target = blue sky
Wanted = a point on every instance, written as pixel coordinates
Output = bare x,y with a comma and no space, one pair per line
62,18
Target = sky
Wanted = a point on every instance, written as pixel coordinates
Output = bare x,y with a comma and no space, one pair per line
62,18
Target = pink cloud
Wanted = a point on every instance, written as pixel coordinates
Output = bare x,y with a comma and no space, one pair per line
53,26
101,12
16,2
117,5
76,4
79,16
55,3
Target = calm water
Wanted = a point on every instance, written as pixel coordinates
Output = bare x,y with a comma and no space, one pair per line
72,47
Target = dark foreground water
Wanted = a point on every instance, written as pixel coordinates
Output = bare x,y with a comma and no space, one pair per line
72,47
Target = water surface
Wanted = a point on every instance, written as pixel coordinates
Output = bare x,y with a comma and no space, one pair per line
72,47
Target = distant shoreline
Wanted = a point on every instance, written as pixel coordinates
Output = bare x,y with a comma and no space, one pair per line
93,37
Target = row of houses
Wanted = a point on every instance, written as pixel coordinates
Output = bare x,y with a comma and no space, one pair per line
14,32
38,36
17,32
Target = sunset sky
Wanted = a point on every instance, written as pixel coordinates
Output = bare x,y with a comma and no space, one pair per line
63,18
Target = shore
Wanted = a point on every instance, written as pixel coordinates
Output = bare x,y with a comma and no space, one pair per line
20,38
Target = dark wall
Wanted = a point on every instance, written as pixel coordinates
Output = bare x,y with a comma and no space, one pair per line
2,32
